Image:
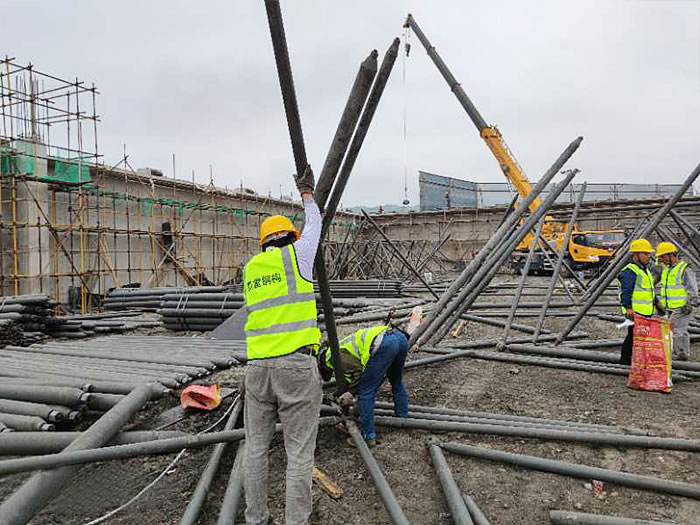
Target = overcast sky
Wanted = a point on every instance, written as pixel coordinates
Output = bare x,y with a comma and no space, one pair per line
198,79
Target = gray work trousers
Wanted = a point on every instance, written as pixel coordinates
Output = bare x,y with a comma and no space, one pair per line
288,387
681,337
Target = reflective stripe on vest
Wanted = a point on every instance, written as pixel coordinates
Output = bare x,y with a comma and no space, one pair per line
281,305
643,294
673,292
358,348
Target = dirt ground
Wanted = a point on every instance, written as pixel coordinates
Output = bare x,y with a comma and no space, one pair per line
507,495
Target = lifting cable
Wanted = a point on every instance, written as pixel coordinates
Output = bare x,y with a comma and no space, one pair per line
407,50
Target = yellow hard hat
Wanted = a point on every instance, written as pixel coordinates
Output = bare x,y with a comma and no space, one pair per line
665,247
641,246
276,224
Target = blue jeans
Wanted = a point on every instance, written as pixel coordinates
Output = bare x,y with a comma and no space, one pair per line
386,362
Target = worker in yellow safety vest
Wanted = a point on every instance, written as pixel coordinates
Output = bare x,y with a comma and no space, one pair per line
636,291
370,356
678,294
282,379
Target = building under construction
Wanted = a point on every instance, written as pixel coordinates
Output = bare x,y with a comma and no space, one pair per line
122,333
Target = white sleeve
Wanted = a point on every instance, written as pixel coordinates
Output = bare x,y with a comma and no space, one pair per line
307,244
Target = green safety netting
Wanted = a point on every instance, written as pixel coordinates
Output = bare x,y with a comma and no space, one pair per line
71,170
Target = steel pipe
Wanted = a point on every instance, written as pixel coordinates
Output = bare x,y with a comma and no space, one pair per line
477,515
452,492
521,281
234,489
388,498
624,479
31,497
574,436
486,273
346,127
149,448
499,236
38,443
565,517
25,423
624,255
509,417
199,496
560,260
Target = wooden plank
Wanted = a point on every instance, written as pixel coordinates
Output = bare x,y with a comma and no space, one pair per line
326,483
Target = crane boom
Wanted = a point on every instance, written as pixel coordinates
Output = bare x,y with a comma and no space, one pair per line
490,134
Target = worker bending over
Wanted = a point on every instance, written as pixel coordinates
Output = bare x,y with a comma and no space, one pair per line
678,294
369,356
636,291
282,378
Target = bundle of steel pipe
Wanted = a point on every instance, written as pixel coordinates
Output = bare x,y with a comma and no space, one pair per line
206,311
109,367
365,288
150,298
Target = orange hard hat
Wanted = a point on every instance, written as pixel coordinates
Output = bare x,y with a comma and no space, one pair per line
204,397
276,224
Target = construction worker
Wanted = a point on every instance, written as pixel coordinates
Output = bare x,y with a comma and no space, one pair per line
282,377
369,356
636,291
678,294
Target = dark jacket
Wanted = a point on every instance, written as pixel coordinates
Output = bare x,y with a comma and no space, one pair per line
627,278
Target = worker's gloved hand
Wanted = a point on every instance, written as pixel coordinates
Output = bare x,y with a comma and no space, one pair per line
346,400
305,182
630,314
661,310
687,309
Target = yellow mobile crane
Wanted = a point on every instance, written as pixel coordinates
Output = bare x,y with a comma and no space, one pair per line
587,249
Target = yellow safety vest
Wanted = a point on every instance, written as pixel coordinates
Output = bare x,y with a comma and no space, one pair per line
355,351
281,305
643,294
673,293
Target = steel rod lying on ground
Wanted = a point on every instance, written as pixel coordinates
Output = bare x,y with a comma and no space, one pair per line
477,515
387,496
624,479
452,492
199,496
509,417
565,517
38,443
574,436
234,490
148,448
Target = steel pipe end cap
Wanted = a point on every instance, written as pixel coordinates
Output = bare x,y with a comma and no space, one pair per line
85,398
47,427
55,416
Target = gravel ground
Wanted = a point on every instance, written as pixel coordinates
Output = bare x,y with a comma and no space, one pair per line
507,495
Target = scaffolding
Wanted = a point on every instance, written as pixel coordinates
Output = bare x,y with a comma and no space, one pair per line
74,228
